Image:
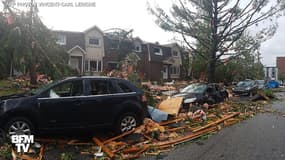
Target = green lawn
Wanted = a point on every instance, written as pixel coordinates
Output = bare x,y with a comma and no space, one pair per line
7,89
4,83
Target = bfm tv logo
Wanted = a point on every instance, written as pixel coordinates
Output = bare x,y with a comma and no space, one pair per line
22,142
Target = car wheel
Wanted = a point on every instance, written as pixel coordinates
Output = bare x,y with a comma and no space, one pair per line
127,122
19,126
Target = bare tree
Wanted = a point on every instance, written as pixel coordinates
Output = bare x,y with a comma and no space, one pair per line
216,25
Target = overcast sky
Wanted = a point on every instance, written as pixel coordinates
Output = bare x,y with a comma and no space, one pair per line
132,14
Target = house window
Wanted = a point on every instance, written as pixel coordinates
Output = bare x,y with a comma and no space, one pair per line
114,44
93,65
175,70
61,39
175,54
87,66
137,48
273,72
99,66
157,51
94,41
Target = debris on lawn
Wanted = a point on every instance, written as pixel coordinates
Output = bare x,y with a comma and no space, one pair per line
151,137
157,115
169,126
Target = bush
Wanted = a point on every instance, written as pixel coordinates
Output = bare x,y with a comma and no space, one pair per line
269,93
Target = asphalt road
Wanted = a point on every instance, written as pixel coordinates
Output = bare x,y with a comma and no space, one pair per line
259,138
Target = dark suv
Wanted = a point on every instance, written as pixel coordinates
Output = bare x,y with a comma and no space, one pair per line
74,103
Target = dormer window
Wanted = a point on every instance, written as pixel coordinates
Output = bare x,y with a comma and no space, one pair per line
157,51
61,39
94,41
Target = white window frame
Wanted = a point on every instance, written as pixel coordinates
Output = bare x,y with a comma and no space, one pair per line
94,45
158,53
61,39
177,70
97,65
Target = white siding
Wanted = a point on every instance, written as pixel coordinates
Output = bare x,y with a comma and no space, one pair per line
271,73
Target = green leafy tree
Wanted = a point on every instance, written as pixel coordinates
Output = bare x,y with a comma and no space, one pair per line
30,46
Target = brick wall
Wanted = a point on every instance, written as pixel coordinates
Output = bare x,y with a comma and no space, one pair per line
280,62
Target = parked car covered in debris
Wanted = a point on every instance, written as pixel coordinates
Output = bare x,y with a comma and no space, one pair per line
246,87
86,102
202,93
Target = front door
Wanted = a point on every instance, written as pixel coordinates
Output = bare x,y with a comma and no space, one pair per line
76,63
61,107
165,72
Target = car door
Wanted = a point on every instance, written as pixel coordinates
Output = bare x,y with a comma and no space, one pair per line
60,107
103,103
94,107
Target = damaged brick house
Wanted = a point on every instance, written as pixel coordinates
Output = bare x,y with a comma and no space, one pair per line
159,61
92,51
117,46
155,62
85,49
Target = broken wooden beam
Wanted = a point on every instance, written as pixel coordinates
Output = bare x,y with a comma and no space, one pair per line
216,122
105,149
77,142
171,121
187,138
119,136
137,155
133,149
41,154
177,129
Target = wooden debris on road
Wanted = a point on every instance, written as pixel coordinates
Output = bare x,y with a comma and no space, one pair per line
171,105
104,148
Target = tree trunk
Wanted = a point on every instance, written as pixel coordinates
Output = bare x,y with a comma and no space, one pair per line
213,51
33,75
32,68
11,68
212,71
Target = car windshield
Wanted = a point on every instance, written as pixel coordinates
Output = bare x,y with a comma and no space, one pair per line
41,88
194,88
245,83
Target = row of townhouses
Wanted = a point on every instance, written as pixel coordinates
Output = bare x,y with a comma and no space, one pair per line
93,51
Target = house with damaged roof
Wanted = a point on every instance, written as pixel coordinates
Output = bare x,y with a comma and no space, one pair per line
94,51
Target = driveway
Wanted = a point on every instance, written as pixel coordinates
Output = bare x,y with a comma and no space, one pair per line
259,138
